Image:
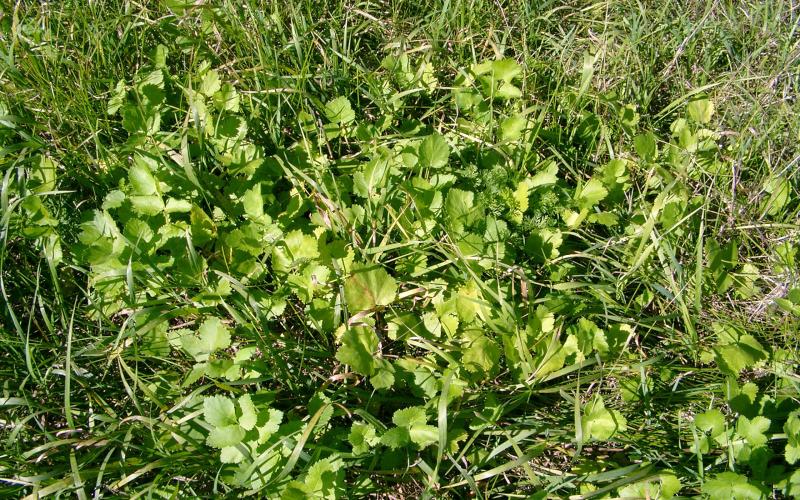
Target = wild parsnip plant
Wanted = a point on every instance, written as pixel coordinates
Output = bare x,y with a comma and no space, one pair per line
404,249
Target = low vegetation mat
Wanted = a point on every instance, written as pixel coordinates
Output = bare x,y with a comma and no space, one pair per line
390,250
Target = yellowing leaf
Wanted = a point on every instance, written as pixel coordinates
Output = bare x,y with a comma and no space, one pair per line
481,356
506,69
369,287
701,110
520,197
512,127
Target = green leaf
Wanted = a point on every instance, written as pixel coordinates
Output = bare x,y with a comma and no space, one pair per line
589,336
339,111
665,487
590,193
434,152
213,336
249,416
159,56
646,146
357,349
512,127
607,219
470,303
729,485
177,206
150,86
231,455
118,98
202,226
628,117
210,83
113,199
753,431
792,453
418,376
322,480
396,437
460,209
141,178
147,205
520,197
296,248
136,121
545,177
792,429
791,485
506,69
219,411
101,239
423,435
368,182
711,421
600,423
779,190
228,435
507,91
701,110
253,203
408,417
383,374
362,437
736,350
721,260
271,425
544,244
369,287
227,99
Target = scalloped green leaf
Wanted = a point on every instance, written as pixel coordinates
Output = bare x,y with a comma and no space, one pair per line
357,349
434,152
339,111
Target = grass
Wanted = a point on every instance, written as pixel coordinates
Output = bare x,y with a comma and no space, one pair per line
92,405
